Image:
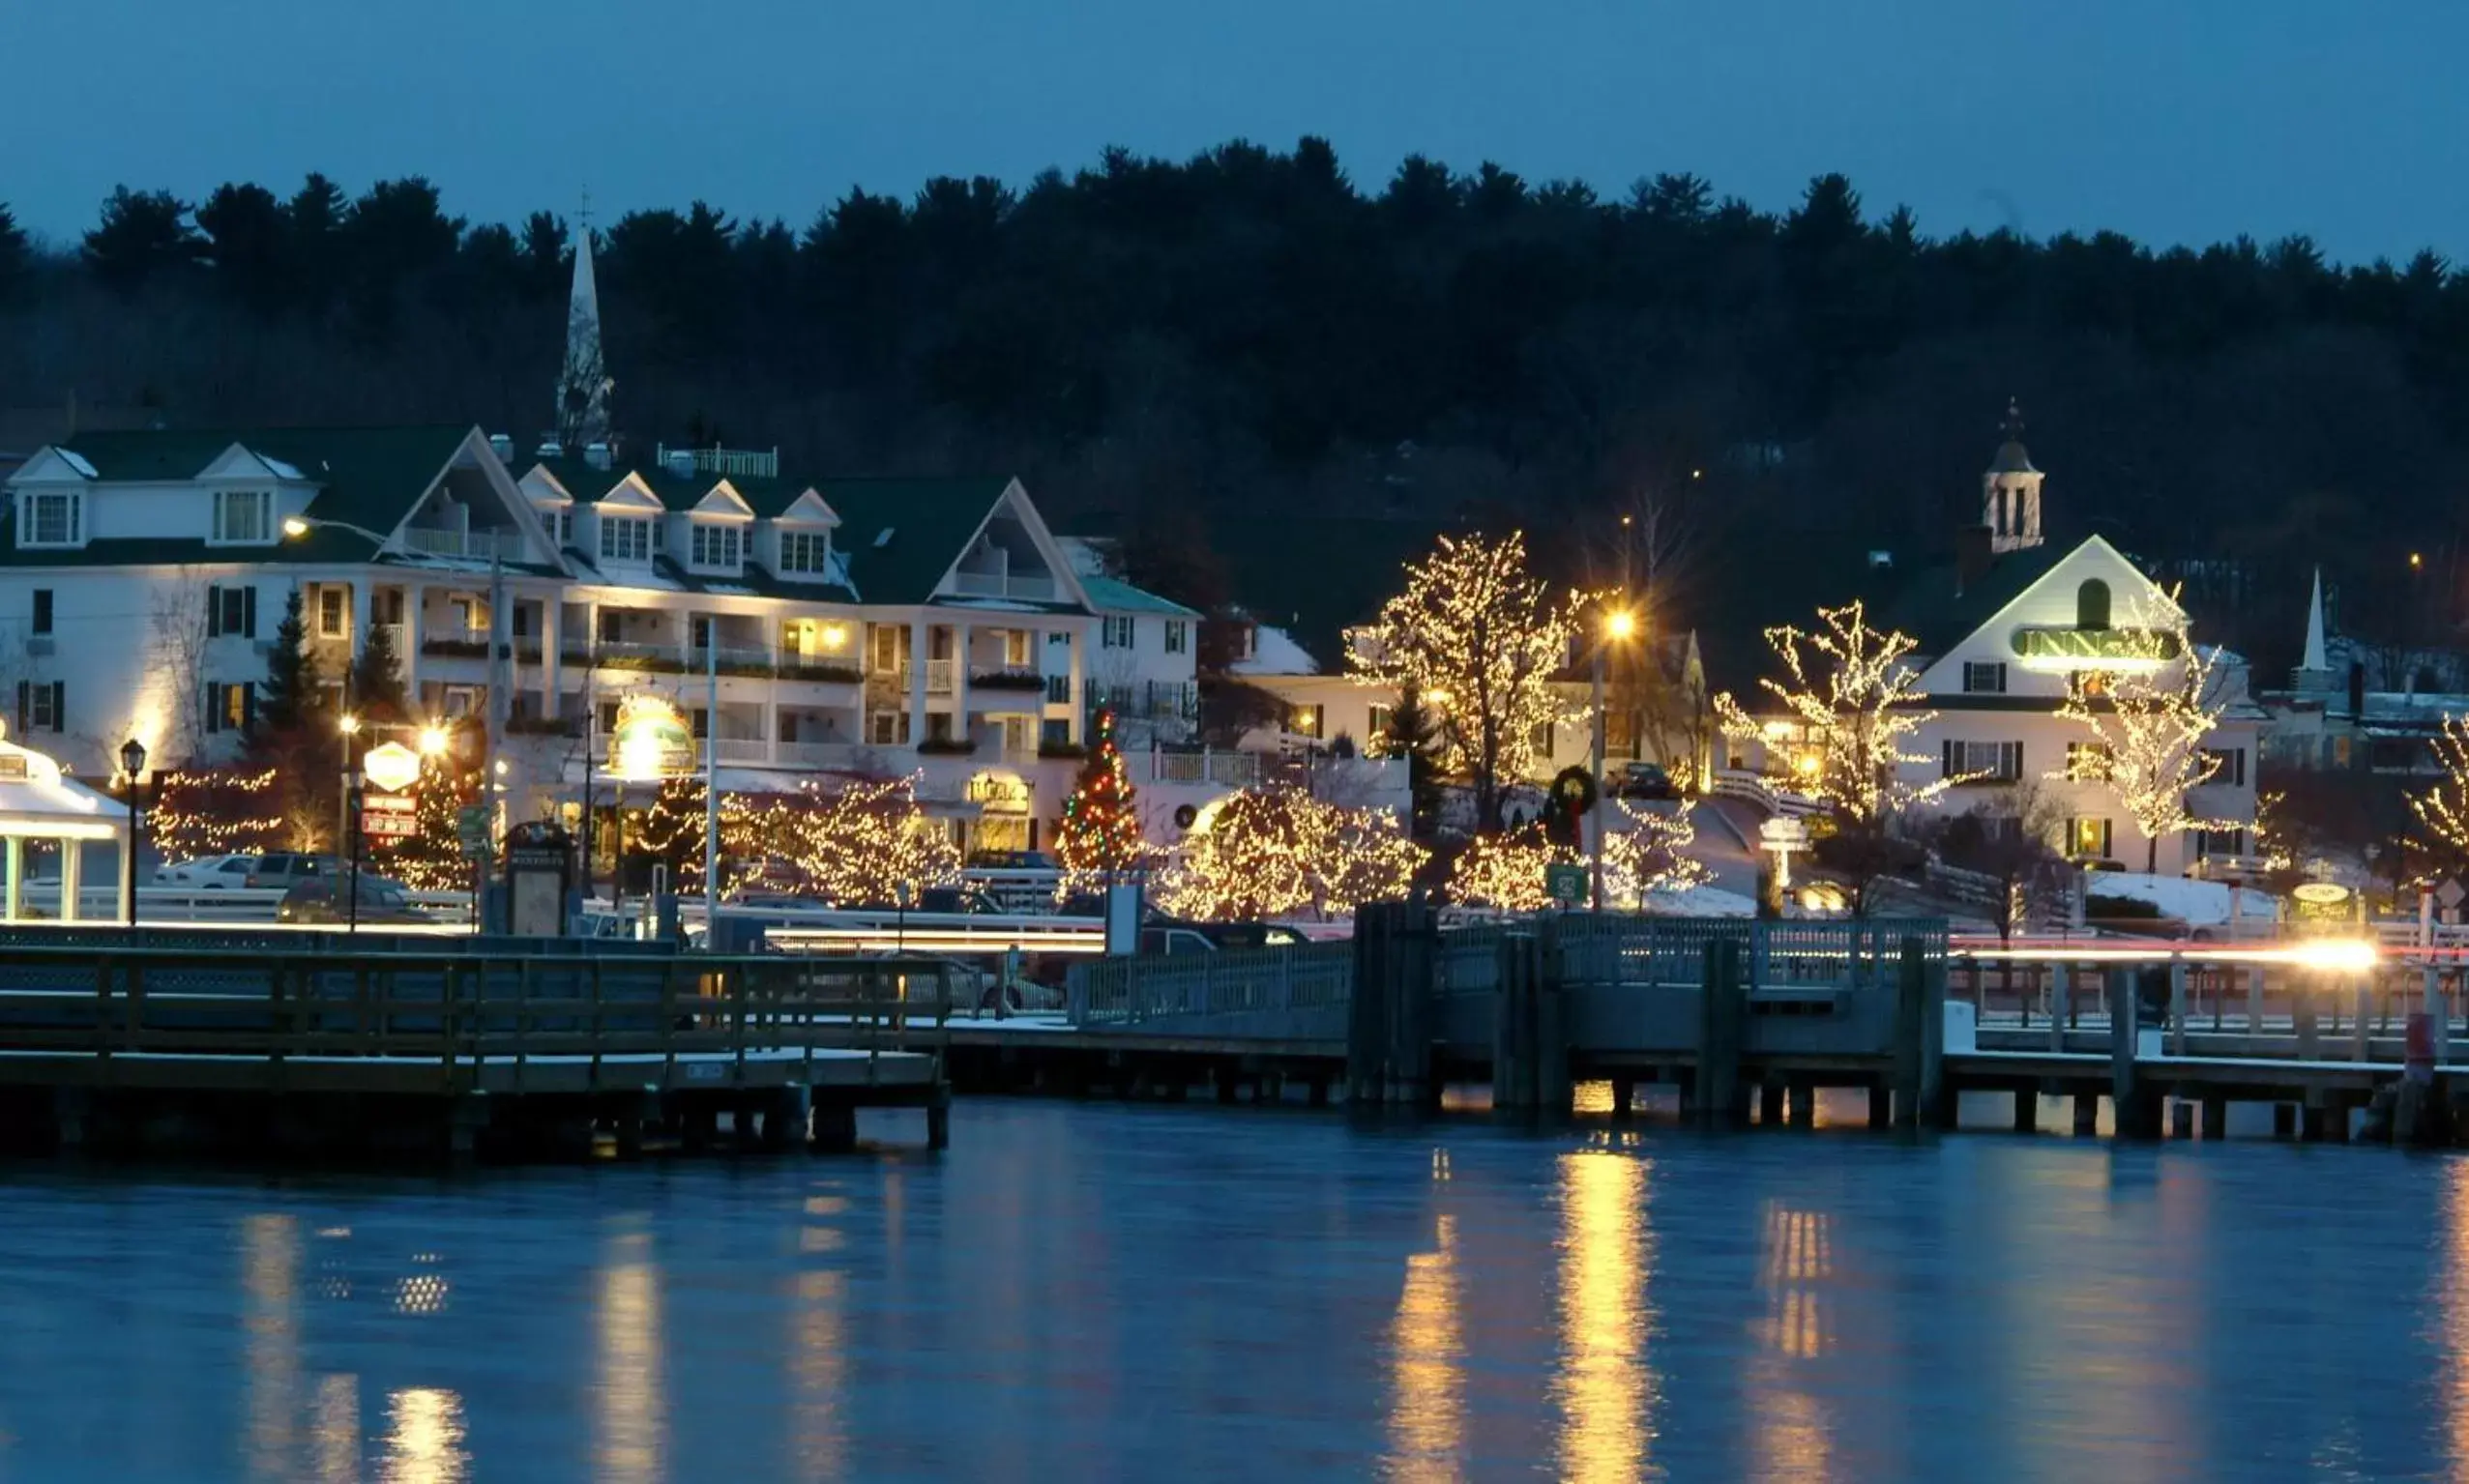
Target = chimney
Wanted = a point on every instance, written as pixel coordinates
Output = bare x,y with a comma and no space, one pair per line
502,446
1972,557
598,455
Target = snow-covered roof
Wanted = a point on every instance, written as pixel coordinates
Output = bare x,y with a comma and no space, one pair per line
1275,651
2197,903
35,800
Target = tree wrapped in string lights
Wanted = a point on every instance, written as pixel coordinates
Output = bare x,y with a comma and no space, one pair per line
1647,856
2149,720
430,859
215,812
1099,833
672,832
1478,637
1267,852
865,843
1853,692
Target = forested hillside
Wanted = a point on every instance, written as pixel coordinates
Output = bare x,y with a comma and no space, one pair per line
1247,360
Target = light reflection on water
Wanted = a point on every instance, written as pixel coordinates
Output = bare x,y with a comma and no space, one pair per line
1081,1291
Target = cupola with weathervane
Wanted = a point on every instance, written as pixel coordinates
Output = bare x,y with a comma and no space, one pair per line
2011,490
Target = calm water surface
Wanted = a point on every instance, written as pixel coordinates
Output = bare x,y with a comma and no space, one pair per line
1105,1293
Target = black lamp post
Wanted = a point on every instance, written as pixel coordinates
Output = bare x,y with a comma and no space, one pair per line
132,766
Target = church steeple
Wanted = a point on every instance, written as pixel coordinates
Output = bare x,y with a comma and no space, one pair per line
2314,669
584,384
2011,490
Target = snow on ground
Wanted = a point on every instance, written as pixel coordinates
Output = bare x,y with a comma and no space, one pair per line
1700,902
2196,903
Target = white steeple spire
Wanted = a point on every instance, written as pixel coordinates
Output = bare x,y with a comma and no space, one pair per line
2316,659
583,385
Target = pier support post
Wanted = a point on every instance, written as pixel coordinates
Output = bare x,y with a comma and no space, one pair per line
2177,1008
1721,1007
2182,1121
2311,1116
72,1110
1515,1058
2285,1120
2061,1006
1770,1103
1881,1105
2301,1020
2438,1015
2087,1115
2027,1106
2216,1118
1920,1039
2128,1104
939,1117
833,1128
1624,1097
2254,1001
1803,1110
1389,1019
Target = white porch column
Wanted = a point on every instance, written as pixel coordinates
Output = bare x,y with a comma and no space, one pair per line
360,595
72,878
16,878
415,600
918,651
551,658
960,726
1079,706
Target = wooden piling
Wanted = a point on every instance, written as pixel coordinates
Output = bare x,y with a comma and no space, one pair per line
2216,1118
2181,1120
2285,1120
1721,1014
834,1130
2027,1106
938,1119
1801,1109
1881,1105
1920,1039
2128,1108
2087,1115
2177,1007
2061,1006
1770,1103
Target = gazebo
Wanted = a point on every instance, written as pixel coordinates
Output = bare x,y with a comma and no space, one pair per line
38,803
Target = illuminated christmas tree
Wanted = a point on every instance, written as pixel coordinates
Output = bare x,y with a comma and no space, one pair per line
430,859
672,832
1100,832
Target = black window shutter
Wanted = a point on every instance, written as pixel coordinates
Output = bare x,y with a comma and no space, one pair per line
2014,759
1945,759
214,708
22,695
247,704
60,706
43,610
248,612
214,613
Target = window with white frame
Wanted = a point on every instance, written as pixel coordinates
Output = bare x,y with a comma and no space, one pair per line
805,551
331,612
51,518
1984,677
2233,765
1178,635
1982,762
624,539
1116,634
244,516
1015,648
717,546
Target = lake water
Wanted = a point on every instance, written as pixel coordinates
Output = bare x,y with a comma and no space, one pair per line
1093,1291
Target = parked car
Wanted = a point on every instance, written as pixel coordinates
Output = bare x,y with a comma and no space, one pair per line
209,873
1167,935
1644,781
320,900
285,868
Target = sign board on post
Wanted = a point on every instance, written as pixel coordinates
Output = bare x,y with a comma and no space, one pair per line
471,829
388,817
1565,884
391,765
2320,907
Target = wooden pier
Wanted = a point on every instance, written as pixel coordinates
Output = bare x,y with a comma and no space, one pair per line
460,1053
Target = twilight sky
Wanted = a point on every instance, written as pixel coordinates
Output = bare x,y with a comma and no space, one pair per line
2183,121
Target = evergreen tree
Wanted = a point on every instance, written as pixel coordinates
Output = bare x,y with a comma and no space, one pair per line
431,857
377,678
16,254
288,696
672,833
142,233
1411,735
1100,831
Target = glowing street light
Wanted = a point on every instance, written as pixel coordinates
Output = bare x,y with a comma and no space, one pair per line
432,740
349,725
1619,625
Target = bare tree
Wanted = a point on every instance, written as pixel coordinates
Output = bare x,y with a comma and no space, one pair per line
175,672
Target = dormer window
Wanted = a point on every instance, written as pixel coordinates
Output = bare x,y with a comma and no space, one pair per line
807,553
244,516
624,539
718,546
51,518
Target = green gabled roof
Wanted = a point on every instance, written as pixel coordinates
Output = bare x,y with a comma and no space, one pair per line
370,477
755,581
769,498
930,522
1112,595
1940,612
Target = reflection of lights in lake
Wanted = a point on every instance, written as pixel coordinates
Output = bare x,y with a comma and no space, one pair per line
421,1293
424,1437
270,1266
819,1363
1608,1393
633,1413
1791,1437
1426,1347
336,1429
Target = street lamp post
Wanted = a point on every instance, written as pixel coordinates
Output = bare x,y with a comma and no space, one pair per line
132,766
349,727
1619,624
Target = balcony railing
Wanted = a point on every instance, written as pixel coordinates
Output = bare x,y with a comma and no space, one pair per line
1232,770
732,661
1058,689
745,749
470,544
612,655
938,677
1002,585
453,643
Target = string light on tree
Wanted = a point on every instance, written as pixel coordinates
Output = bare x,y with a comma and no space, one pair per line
2149,723
1853,691
1272,852
1478,638
1099,833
